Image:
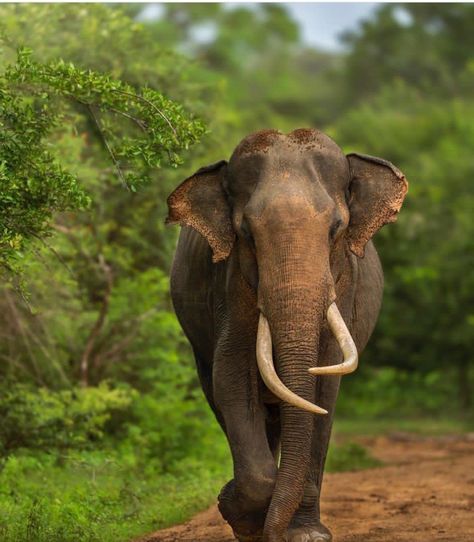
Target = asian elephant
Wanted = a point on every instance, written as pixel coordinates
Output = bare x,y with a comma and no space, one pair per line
277,286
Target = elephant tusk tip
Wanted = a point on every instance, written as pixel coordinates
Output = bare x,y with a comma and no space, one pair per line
318,410
334,370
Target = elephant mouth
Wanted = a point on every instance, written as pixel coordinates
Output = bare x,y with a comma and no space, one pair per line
267,367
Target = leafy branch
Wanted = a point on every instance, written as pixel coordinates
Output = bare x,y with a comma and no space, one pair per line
140,129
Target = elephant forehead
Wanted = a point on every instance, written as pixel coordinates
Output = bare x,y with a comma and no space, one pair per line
302,139
258,142
270,154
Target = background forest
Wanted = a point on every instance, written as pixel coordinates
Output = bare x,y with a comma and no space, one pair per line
105,433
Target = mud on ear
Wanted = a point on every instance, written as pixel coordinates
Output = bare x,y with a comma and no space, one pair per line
200,202
377,191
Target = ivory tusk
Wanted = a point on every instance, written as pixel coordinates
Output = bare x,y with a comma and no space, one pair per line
269,375
346,343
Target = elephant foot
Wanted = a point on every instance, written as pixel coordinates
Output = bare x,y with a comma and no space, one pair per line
249,538
314,532
246,519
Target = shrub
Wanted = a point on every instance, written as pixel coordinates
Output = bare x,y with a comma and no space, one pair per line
42,419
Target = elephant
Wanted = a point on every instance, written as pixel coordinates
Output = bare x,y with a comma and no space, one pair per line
277,286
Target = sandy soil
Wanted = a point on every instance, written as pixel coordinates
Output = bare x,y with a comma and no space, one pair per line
423,493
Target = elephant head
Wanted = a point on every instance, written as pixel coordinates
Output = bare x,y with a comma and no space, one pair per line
287,201
291,206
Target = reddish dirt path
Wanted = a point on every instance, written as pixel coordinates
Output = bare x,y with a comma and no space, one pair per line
425,493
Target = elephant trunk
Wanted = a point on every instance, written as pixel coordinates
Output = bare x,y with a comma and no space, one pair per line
296,341
294,295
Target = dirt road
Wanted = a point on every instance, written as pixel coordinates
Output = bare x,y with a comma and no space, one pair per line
424,493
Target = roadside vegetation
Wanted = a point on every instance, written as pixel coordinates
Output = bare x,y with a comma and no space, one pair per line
105,433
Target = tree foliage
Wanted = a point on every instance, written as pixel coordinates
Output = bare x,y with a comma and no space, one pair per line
139,128
422,104
429,47
104,130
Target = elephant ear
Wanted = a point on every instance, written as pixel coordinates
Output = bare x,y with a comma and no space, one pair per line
377,191
200,202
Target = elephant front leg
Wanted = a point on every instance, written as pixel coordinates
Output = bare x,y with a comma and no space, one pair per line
243,501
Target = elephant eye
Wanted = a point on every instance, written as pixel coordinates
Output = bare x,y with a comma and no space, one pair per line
348,195
244,228
334,229
246,233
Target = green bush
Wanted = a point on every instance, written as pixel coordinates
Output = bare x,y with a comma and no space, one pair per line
130,463
349,456
388,392
42,419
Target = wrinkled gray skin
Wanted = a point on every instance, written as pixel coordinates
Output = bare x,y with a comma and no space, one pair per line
284,228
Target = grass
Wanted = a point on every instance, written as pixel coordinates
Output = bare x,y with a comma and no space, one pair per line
95,500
